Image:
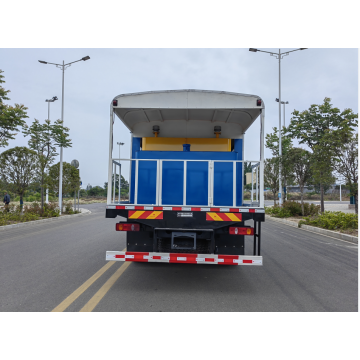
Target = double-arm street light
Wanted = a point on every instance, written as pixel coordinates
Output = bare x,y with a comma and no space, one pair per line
63,67
49,101
278,56
284,103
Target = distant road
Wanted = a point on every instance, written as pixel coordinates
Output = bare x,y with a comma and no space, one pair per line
61,265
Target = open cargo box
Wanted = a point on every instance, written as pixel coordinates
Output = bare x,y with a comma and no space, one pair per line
166,181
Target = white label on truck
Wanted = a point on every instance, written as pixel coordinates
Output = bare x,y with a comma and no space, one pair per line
225,209
200,259
129,256
238,261
181,258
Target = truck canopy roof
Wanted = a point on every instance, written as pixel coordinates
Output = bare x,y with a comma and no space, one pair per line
188,113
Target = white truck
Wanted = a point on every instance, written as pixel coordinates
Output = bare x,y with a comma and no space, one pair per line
186,197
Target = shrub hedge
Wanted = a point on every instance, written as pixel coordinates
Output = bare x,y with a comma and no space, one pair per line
332,220
292,208
11,213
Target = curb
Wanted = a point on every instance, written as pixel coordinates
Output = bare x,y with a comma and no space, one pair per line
315,229
42,221
287,222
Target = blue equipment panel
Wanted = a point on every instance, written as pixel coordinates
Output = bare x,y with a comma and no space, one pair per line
238,148
197,175
172,182
223,184
147,182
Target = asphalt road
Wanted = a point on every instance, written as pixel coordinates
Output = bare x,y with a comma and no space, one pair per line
52,266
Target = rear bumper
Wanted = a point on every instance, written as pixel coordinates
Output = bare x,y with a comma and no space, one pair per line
184,258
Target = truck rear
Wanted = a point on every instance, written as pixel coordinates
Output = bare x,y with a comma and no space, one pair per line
186,179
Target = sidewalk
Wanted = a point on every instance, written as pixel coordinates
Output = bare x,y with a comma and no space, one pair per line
337,207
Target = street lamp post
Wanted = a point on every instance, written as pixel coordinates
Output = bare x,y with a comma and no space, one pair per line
49,101
119,143
63,67
278,56
284,103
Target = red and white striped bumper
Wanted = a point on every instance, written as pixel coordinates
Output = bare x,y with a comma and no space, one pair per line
184,258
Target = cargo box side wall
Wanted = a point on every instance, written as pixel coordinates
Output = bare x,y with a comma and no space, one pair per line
197,176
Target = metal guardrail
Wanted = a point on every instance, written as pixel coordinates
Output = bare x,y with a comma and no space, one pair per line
256,167
116,164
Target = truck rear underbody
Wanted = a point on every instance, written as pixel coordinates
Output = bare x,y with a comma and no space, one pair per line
195,237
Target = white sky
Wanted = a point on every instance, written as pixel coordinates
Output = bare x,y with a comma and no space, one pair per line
308,77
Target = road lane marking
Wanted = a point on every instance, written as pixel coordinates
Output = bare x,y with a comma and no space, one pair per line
91,304
72,297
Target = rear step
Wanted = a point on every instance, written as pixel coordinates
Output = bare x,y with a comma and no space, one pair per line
183,258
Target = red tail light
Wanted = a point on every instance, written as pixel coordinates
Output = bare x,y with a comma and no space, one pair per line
127,227
258,102
115,103
241,231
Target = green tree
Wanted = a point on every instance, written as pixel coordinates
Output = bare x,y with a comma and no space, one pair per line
96,191
301,160
346,164
18,169
11,117
44,138
312,126
271,175
83,192
70,181
124,185
272,143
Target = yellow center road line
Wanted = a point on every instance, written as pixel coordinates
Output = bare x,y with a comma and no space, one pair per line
72,297
91,304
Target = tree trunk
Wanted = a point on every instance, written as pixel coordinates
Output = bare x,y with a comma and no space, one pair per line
274,199
322,208
356,203
42,193
21,203
302,200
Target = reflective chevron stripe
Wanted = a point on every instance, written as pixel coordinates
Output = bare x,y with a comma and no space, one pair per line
184,258
145,214
212,216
